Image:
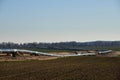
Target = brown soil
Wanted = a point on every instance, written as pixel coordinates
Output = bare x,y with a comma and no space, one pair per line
62,52
23,58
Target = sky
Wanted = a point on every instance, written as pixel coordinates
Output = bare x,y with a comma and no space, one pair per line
59,20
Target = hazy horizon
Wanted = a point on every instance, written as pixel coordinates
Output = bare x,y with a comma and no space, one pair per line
59,20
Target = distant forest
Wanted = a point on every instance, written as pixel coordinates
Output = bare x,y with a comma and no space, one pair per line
95,45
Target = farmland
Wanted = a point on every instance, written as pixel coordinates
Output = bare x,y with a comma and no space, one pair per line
70,68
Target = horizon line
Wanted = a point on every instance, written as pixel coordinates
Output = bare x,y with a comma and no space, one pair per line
59,41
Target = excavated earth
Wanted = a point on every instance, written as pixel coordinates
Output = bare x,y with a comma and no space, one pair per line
4,57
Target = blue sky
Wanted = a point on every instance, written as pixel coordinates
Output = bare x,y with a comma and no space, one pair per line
59,20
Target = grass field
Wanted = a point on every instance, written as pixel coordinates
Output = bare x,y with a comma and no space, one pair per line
71,68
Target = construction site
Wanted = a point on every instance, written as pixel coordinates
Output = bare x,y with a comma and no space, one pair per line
20,54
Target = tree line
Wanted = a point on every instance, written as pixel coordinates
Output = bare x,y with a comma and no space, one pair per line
59,45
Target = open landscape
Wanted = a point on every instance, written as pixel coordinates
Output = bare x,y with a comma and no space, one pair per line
104,66
70,68
59,40
86,63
